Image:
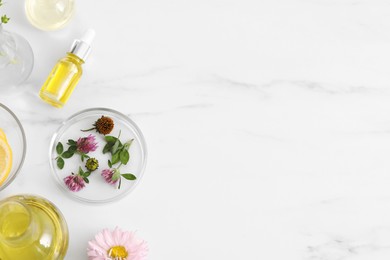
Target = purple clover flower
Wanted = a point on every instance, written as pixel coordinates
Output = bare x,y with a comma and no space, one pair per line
87,144
107,175
74,182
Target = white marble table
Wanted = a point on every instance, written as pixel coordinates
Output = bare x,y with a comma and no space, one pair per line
267,123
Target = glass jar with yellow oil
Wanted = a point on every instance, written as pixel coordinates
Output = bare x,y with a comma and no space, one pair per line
31,228
49,15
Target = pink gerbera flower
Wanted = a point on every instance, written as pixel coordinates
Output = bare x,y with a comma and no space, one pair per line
107,175
87,144
74,182
116,245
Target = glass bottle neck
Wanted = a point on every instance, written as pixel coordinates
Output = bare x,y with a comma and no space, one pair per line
74,58
16,223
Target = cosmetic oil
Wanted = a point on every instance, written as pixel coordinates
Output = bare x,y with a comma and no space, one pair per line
31,228
49,15
67,72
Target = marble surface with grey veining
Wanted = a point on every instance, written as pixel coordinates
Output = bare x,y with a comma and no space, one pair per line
267,124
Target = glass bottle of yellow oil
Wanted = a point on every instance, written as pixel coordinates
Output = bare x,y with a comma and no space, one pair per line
67,72
31,228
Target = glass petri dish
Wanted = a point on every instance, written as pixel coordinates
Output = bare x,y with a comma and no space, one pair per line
16,138
98,191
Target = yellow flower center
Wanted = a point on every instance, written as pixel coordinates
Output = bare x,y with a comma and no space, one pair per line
117,251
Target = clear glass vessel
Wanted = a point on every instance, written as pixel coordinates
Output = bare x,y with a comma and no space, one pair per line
16,59
32,228
98,191
16,137
49,15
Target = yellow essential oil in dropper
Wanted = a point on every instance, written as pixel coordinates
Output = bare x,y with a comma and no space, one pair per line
67,72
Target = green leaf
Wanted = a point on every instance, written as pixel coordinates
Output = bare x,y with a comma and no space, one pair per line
72,142
109,164
128,144
60,163
72,148
83,174
116,175
83,156
115,158
124,156
67,154
110,139
107,147
129,176
86,179
115,148
5,19
59,148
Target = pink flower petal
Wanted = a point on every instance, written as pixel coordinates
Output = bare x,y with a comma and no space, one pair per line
101,242
108,237
117,233
125,237
94,246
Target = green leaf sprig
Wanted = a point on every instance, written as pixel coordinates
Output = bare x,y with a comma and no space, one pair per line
72,149
119,154
4,19
84,175
117,175
64,154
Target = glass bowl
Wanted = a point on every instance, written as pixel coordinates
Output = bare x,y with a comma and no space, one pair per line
16,138
49,15
98,190
16,59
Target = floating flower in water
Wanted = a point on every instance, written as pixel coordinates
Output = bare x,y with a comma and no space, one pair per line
107,175
103,125
116,245
74,182
86,144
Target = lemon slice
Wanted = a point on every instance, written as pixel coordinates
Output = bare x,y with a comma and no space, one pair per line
2,135
5,160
